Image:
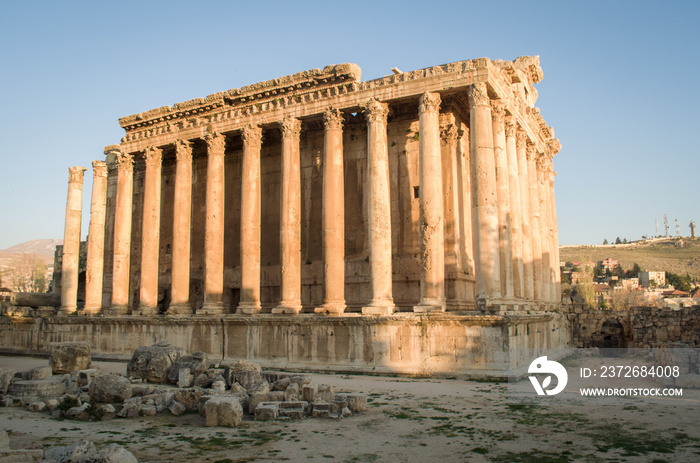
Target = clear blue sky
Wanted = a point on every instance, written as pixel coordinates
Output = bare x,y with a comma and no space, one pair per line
620,87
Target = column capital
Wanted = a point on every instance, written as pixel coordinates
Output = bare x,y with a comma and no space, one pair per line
510,126
216,143
153,156
478,95
112,149
520,138
554,145
498,111
252,135
99,169
375,111
429,102
124,162
75,174
291,127
183,150
450,134
333,119
530,152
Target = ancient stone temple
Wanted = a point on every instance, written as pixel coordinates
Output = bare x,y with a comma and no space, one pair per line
275,205
423,191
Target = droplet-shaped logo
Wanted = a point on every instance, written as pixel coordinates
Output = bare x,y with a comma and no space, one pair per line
550,367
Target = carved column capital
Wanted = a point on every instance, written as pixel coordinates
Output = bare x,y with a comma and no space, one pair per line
291,127
252,135
153,156
333,119
375,111
99,169
520,139
510,127
124,162
450,134
478,95
498,111
429,102
112,149
554,145
530,152
75,174
183,150
216,143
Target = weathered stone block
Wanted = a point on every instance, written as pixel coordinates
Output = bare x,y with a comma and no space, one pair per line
153,362
197,364
34,373
292,392
5,379
85,377
110,389
189,397
201,407
185,378
147,410
356,402
4,440
272,396
21,456
244,372
259,388
267,411
78,413
176,408
325,392
281,384
69,357
223,411
37,406
38,389
219,386
309,392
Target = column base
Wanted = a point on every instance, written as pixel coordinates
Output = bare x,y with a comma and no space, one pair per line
92,311
212,308
430,306
63,311
116,311
146,311
248,308
379,308
331,308
179,309
292,308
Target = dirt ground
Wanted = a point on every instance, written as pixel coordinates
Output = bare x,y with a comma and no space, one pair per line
408,420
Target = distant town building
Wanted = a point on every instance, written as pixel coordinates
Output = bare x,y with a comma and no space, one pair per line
603,293
608,264
646,279
628,284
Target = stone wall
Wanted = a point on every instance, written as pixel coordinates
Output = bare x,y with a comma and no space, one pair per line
477,346
640,327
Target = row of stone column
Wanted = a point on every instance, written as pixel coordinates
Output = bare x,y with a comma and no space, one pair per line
509,262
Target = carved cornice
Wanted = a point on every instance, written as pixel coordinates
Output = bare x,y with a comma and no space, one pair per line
124,162
99,169
291,127
75,174
554,145
478,95
429,102
450,134
216,143
333,119
375,111
153,157
183,150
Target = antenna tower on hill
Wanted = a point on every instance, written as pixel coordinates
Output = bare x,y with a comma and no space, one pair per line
665,226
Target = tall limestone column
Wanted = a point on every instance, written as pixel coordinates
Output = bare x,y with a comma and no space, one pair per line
505,236
379,214
214,227
485,200
536,234
515,211
250,221
121,269
333,214
71,242
150,234
542,183
182,220
555,147
526,218
96,240
432,282
290,219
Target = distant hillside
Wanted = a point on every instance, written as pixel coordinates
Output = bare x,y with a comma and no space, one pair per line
663,254
39,247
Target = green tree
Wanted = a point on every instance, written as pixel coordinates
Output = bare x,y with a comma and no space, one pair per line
605,241
634,271
680,282
618,240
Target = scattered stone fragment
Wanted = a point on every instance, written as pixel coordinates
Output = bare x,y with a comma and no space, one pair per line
219,386
267,411
176,408
243,372
37,406
309,392
259,388
325,393
5,379
189,397
78,413
281,384
38,389
196,363
293,409
355,402
69,357
272,396
292,392
4,440
153,362
86,376
223,411
110,389
86,452
147,410
185,378
34,373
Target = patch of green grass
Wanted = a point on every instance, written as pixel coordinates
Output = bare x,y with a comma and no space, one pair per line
614,436
533,456
364,458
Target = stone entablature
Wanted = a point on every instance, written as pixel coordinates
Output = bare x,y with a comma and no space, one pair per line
424,191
